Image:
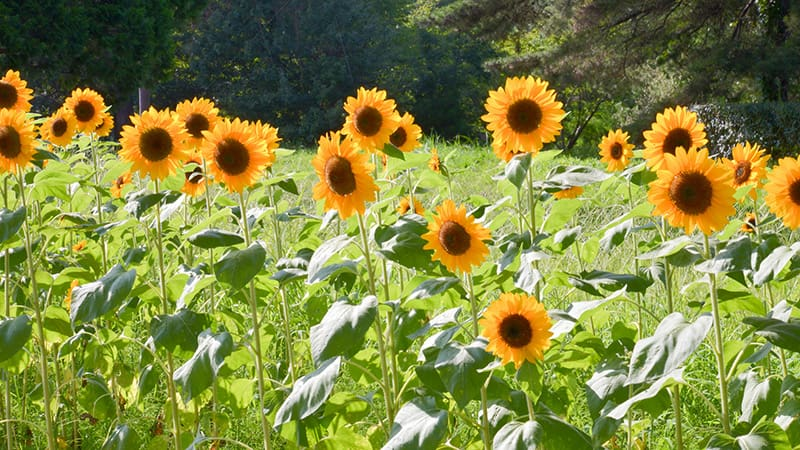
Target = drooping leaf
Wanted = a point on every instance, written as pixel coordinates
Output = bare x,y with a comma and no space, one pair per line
774,263
213,238
14,334
178,330
238,267
11,222
783,334
517,169
615,235
618,412
98,298
765,435
576,175
518,436
557,433
324,252
200,371
309,392
402,242
342,330
459,366
734,257
419,425
433,286
444,318
667,248
592,282
760,399
122,438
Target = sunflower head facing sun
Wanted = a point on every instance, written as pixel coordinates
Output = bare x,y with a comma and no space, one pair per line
16,140
456,239
269,136
406,136
234,154
615,150
345,182
524,115
692,191
371,119
59,128
749,166
86,105
783,191
154,144
14,93
517,327
405,206
197,115
672,129
119,184
106,124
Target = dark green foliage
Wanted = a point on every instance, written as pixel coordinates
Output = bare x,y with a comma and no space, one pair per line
772,125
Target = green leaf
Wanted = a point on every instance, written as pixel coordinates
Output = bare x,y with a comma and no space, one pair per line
213,238
10,222
53,182
616,235
783,334
517,169
57,327
324,252
576,175
14,334
607,381
236,394
122,438
673,342
735,257
433,286
556,433
760,399
459,366
765,435
98,298
670,379
200,371
342,330
140,202
419,425
289,186
95,397
518,436
774,263
402,242
566,237
667,248
592,282
391,150
561,212
178,330
238,267
440,320
309,393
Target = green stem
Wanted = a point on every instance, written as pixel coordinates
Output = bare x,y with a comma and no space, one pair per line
256,331
639,315
392,347
212,310
99,200
7,298
719,351
9,418
532,201
37,310
676,397
486,433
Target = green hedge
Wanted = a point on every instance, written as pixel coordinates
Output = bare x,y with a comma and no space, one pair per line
775,126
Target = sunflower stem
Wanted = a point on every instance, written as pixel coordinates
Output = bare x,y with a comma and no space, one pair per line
7,302
639,315
392,347
99,200
532,200
719,350
37,310
676,397
162,278
211,308
485,431
256,330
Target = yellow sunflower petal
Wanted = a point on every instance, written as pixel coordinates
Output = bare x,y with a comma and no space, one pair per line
673,128
16,140
59,128
14,93
517,327
196,116
615,150
783,191
748,166
371,119
154,144
234,155
86,105
406,136
344,173
456,239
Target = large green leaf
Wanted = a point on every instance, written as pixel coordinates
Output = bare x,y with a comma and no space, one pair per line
53,182
673,342
557,433
615,235
342,330
10,222
309,392
783,334
667,248
122,438
734,257
516,170
592,282
440,320
459,365
760,399
774,263
402,242
238,267
95,397
178,330
213,238
606,384
576,175
200,371
57,327
764,436
561,212
518,436
14,334
419,425
100,297
140,202
670,379
324,252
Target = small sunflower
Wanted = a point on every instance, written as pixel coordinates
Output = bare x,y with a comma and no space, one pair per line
234,154
16,140
371,119
503,151
106,124
517,327
749,224
406,136
59,128
79,246
524,114
120,183
672,129
154,144
455,238
87,106
783,191
405,206
14,93
570,192
68,297
195,183
615,150
344,174
692,190
434,162
269,135
197,115
749,166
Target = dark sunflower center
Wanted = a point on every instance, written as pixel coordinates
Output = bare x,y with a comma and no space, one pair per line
232,156
194,176
84,111
10,145
196,124
399,137
8,95
691,192
677,138
155,144
454,238
742,173
368,120
794,192
616,151
524,116
59,127
516,331
339,175
119,182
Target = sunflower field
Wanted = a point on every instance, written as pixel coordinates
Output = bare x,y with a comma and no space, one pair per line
194,285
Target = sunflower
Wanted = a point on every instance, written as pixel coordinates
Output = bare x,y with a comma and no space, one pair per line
524,115
59,128
120,183
455,238
16,140
502,151
434,162
371,119
749,225
749,166
692,190
14,93
234,154
405,206
269,135
406,136
87,106
783,191
570,192
195,183
79,246
615,150
672,129
517,327
106,124
344,174
68,297
197,115
154,144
